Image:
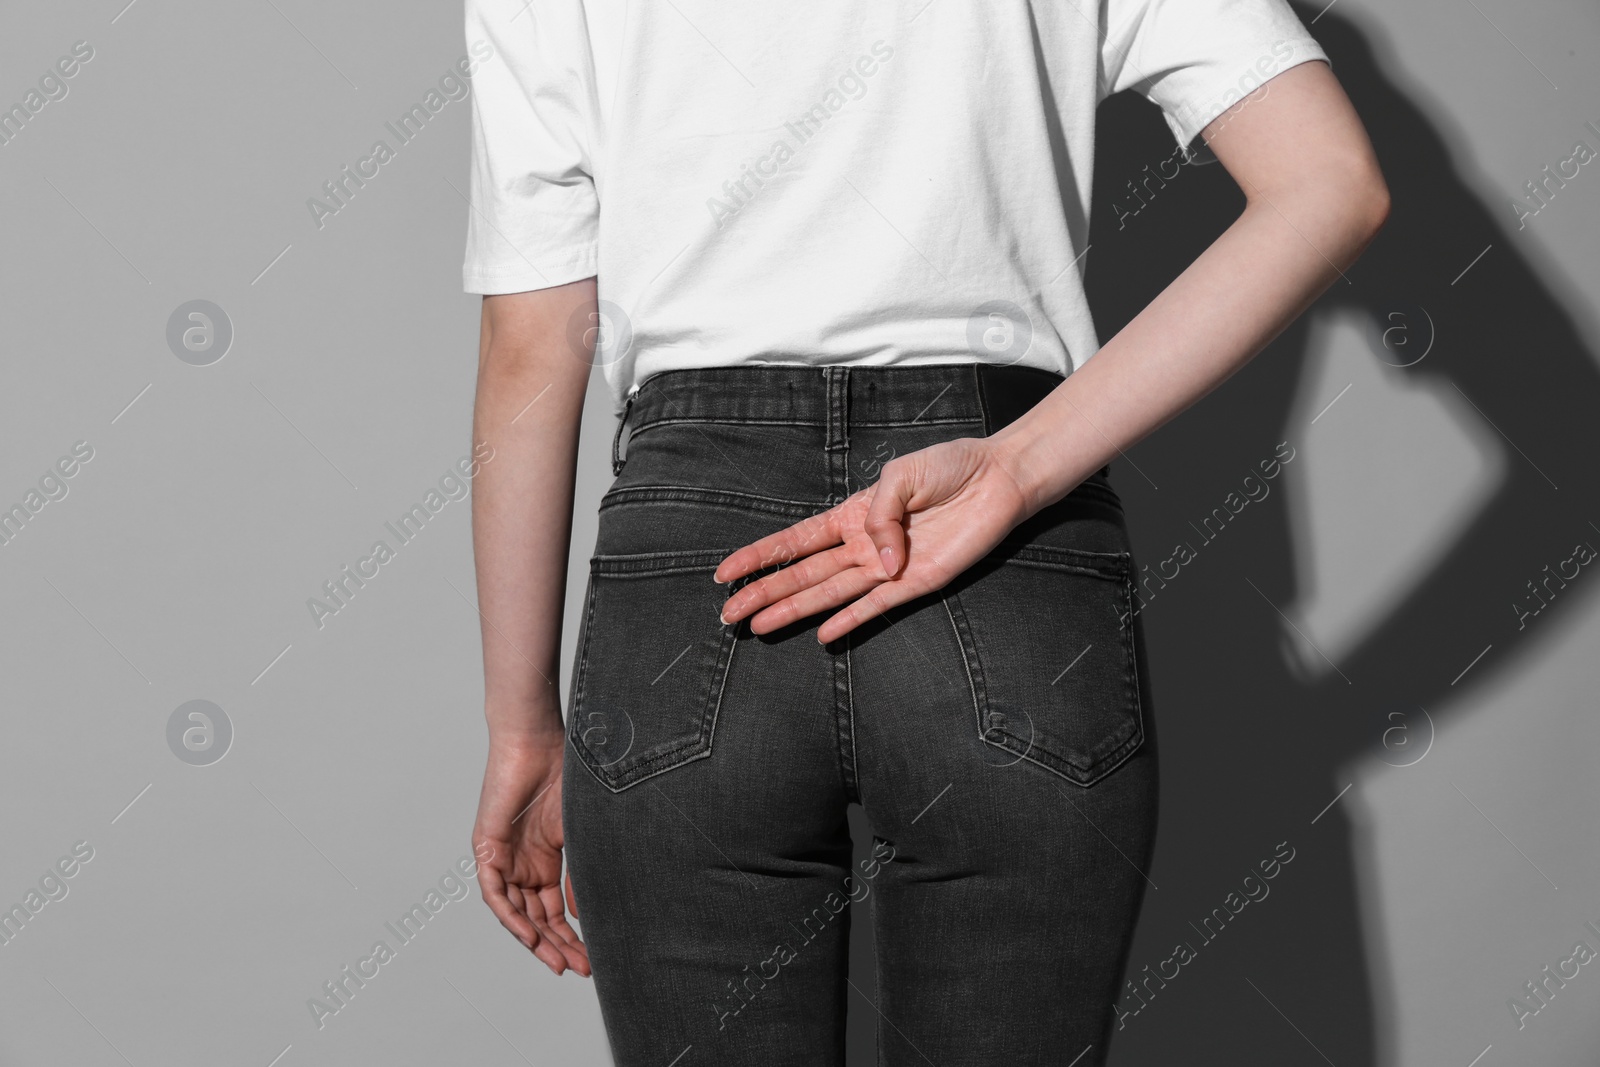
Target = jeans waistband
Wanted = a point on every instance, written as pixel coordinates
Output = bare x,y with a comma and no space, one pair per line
842,396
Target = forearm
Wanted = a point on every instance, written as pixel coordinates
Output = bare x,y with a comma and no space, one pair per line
1261,274
529,407
1315,200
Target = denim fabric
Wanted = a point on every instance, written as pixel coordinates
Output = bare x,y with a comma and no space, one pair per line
997,733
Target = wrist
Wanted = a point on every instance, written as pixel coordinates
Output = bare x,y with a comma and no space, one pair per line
524,730
1019,455
525,752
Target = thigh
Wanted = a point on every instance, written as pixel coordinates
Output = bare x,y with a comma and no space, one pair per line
704,812
1007,754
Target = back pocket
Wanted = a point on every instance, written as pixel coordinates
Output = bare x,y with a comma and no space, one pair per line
1047,634
653,657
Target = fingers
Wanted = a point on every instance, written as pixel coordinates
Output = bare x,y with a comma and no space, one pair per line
544,909
526,916
887,595
572,946
885,522
543,946
790,580
493,887
803,538
842,587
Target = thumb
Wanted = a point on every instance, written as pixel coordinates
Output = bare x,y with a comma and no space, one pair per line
885,522
572,901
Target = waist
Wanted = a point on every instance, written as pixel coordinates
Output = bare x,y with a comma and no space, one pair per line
841,398
719,457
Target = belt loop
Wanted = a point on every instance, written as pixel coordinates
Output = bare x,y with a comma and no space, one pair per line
616,441
836,381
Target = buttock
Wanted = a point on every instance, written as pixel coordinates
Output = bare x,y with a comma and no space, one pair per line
997,733
1042,630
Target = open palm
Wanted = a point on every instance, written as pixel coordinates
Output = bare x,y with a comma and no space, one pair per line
931,515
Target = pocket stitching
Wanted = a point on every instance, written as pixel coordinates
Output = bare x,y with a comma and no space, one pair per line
649,564
637,564
625,496
975,676
1110,565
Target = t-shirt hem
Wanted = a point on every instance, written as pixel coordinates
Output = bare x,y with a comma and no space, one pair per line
1188,126
575,266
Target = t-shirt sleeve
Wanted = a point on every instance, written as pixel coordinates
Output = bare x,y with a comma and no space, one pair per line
1194,59
534,213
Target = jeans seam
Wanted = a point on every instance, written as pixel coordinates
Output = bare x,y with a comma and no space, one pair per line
642,426
853,786
575,700
645,494
836,450
1112,566
653,564
726,420
617,462
1136,742
974,678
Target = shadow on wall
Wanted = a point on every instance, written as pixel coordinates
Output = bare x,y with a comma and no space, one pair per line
1252,751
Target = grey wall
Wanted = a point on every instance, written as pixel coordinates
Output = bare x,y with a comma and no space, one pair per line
1352,629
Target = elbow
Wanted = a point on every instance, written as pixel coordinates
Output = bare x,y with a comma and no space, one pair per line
1341,211
1372,205
1361,194
1366,212
1342,200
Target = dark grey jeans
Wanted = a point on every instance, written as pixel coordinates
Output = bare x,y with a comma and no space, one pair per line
997,733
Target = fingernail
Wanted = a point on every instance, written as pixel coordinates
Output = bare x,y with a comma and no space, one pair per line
887,556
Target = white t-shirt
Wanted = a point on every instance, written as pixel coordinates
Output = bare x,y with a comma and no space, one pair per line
837,181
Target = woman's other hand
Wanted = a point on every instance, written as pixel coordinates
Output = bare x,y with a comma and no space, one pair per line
521,529
931,515
518,840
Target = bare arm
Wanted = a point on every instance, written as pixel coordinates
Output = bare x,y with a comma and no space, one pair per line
529,407
1315,200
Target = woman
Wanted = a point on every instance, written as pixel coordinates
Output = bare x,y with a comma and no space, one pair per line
863,545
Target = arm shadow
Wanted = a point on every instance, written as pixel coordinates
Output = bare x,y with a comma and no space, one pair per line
1252,749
